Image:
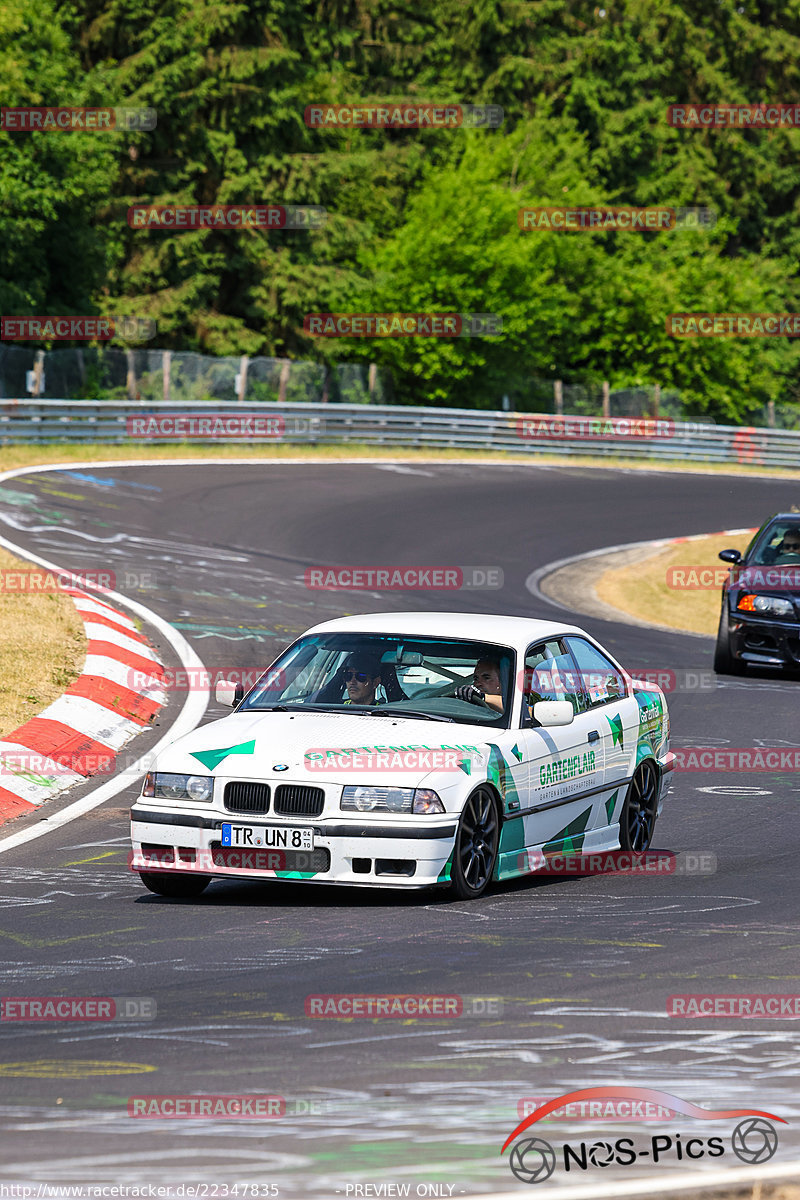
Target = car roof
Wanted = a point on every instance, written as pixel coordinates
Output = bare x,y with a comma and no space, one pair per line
482,627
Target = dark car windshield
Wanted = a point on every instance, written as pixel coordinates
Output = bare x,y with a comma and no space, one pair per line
407,676
779,543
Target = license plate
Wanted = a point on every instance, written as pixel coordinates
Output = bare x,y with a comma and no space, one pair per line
273,837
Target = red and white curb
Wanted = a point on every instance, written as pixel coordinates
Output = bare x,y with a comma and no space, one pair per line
81,733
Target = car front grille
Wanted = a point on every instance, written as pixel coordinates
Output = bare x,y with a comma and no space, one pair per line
294,800
241,796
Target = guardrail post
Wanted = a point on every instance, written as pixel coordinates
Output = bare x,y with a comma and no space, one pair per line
242,378
131,377
166,362
558,396
284,381
38,373
606,399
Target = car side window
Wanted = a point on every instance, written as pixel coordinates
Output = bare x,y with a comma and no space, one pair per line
550,675
601,682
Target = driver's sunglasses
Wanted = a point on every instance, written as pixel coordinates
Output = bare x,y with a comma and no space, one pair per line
360,676
791,545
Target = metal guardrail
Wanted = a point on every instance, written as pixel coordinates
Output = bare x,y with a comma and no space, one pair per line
112,422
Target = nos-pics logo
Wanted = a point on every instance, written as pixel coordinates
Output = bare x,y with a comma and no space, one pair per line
533,1160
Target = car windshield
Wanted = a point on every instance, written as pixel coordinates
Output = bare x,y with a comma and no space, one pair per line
404,676
779,543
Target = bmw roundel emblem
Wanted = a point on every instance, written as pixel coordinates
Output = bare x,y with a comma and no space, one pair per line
281,767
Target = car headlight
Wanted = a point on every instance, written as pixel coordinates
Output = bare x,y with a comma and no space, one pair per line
162,786
390,799
773,606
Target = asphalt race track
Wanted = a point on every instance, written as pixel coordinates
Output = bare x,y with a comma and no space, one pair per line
584,967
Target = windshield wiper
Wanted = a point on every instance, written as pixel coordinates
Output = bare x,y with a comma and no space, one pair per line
378,711
412,712
271,708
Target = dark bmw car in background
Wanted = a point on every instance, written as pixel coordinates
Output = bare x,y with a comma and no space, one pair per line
760,620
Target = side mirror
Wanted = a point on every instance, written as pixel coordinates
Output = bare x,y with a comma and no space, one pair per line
730,556
553,712
228,693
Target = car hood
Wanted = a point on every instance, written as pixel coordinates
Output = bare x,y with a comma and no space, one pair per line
251,745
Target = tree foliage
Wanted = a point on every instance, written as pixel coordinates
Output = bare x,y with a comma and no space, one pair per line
424,219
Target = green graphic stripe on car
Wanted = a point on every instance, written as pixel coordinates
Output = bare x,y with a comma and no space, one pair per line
616,730
444,875
212,758
571,836
611,804
498,773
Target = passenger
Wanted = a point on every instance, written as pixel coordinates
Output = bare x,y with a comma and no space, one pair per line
485,687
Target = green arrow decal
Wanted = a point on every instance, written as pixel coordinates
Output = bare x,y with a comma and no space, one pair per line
616,730
212,758
515,750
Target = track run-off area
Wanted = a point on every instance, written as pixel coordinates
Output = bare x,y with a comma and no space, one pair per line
583,968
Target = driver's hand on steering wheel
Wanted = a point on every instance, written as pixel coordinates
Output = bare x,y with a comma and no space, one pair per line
470,693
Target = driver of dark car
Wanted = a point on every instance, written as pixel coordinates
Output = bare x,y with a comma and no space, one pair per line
789,545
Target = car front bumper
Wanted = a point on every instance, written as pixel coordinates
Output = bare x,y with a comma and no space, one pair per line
765,643
356,852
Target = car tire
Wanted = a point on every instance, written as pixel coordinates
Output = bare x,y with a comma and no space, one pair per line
476,846
177,886
724,662
638,817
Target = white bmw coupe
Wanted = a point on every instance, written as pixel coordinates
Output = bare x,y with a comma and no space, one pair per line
406,750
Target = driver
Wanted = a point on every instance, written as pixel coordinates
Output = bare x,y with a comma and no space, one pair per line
362,677
789,545
485,687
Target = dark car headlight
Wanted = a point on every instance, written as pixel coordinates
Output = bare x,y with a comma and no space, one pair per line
161,786
771,606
